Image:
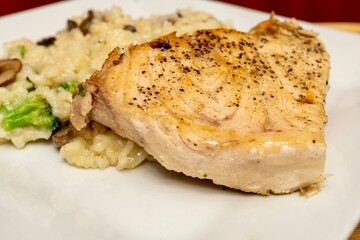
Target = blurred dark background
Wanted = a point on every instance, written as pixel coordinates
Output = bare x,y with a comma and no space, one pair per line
309,10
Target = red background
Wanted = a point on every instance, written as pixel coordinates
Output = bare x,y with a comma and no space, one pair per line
309,10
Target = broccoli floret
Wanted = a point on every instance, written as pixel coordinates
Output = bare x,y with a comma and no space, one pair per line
36,111
70,86
22,50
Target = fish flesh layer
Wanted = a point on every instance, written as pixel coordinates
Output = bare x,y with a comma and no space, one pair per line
245,110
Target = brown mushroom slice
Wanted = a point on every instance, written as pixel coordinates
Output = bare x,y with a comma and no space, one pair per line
71,25
8,70
66,134
63,136
131,28
86,23
46,42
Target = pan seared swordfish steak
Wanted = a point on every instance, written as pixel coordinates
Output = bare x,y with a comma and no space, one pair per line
245,110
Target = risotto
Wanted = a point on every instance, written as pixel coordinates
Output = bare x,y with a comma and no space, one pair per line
52,68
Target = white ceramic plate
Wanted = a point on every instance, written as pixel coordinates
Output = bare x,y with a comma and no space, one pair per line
42,197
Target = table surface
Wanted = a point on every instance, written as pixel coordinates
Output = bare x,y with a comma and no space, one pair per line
354,27
356,234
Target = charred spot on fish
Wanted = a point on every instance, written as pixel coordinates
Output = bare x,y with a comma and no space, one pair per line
161,43
116,62
305,99
186,69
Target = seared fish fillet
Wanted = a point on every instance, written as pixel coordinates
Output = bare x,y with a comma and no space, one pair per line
245,110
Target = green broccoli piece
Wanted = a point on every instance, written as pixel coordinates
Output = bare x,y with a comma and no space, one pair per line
70,86
22,50
36,111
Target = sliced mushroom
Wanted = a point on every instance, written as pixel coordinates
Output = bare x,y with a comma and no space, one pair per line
46,41
130,28
86,23
171,20
8,70
71,25
63,136
67,133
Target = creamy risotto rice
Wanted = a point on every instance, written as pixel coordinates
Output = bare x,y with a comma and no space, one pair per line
72,55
